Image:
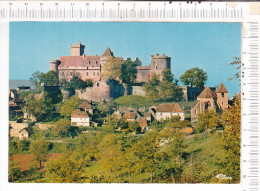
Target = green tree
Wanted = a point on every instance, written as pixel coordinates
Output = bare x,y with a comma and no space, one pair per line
41,109
63,170
89,82
232,124
39,148
154,80
194,77
35,78
106,108
128,72
168,91
151,87
112,69
78,84
167,76
51,78
14,171
207,120
61,127
69,105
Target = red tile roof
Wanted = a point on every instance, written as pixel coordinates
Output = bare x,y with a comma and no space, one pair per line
207,93
79,114
130,115
108,52
168,107
81,61
85,105
221,89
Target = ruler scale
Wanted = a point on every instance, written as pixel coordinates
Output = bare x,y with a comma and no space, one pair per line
172,12
250,109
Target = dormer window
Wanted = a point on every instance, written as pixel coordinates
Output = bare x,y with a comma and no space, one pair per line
222,94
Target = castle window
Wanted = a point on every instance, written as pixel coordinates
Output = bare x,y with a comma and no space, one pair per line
222,94
97,73
62,73
87,68
89,62
93,73
97,84
156,67
96,62
87,73
71,73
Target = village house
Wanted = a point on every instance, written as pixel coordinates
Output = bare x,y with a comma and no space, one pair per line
117,115
19,130
210,100
167,110
130,116
87,107
80,118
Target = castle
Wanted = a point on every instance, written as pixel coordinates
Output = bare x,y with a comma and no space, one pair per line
90,67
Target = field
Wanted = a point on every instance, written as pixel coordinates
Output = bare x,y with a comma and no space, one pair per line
25,160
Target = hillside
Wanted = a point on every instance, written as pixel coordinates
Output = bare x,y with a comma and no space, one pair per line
209,151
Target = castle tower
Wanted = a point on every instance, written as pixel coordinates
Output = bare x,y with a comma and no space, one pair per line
77,49
138,62
160,63
222,96
54,65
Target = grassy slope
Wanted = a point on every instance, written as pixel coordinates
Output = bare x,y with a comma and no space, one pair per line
207,150
139,101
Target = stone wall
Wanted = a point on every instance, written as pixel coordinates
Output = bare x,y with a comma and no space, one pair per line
43,126
191,93
138,90
66,94
99,92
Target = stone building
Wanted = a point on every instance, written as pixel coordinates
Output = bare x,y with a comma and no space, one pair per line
158,64
90,67
208,100
80,118
167,110
19,130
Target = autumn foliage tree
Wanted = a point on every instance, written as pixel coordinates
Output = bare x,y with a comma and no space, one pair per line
207,120
112,69
232,124
39,148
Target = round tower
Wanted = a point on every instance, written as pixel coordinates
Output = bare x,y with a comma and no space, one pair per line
54,65
160,63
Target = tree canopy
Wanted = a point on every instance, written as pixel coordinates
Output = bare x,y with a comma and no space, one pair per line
112,69
69,105
128,72
39,148
194,77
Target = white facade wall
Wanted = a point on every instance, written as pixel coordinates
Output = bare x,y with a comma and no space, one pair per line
80,121
165,115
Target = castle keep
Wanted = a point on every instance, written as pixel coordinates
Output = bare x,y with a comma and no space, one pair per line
90,67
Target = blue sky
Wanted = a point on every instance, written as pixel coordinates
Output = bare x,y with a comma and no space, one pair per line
210,46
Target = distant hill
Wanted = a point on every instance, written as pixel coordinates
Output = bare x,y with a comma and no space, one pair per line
13,84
